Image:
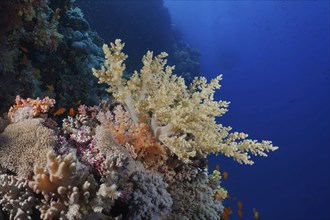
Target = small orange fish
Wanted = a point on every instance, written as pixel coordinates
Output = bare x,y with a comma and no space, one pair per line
59,111
225,216
71,112
225,175
240,205
228,211
240,213
256,214
51,87
234,198
24,49
57,12
217,167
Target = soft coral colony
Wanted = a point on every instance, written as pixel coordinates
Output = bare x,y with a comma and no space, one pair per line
142,156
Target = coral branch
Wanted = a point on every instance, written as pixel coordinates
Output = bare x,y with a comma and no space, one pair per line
183,119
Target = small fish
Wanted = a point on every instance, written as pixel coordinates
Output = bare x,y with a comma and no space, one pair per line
225,175
78,103
240,213
59,111
234,198
228,211
71,112
256,214
225,216
51,87
240,205
57,13
24,49
217,167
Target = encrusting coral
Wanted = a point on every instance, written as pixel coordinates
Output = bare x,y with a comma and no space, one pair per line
183,119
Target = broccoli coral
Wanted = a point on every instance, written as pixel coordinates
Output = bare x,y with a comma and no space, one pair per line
182,118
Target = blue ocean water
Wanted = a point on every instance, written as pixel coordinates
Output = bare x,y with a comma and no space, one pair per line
274,56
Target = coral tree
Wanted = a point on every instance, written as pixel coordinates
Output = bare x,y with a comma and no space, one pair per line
142,156
183,119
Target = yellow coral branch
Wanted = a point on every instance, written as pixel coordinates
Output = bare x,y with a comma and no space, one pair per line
183,119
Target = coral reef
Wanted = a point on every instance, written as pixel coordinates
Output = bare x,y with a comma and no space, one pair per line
36,36
25,25
141,155
99,164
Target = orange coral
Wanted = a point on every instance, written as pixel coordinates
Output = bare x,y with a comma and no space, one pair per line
38,106
145,144
136,137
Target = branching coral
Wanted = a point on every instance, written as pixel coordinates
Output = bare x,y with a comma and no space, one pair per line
16,197
66,192
183,119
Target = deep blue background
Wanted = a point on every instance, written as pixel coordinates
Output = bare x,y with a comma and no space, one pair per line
274,56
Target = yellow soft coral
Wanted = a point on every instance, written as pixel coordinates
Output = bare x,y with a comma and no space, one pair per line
181,118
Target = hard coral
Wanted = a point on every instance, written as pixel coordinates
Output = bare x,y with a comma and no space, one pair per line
183,119
16,197
66,193
24,144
